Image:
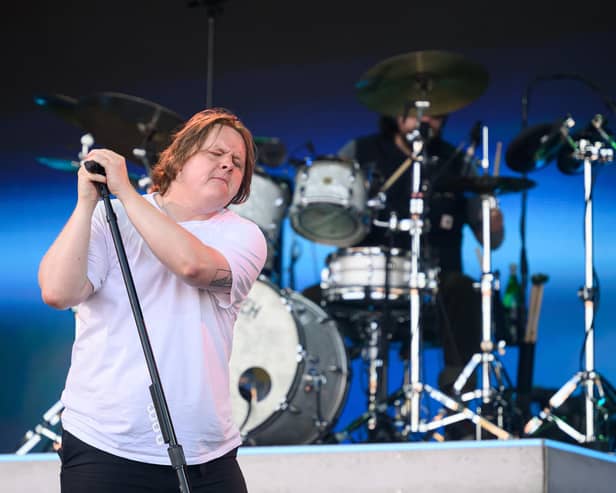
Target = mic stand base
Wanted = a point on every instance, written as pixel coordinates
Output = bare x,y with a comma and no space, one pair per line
604,406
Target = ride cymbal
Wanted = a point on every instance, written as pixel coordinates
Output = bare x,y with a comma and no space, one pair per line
447,80
118,121
125,122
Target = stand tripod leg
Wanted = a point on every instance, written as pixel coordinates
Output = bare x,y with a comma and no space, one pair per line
464,413
33,438
375,353
581,379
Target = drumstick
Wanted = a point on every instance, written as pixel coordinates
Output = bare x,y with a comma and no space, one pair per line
396,174
497,158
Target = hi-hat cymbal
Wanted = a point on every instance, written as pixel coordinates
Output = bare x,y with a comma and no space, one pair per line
119,121
493,185
447,80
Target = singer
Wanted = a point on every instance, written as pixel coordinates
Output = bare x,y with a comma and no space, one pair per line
193,262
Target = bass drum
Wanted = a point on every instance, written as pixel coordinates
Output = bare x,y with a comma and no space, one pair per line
289,369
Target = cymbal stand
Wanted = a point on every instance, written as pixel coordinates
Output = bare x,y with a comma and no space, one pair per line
417,282
487,360
587,378
33,437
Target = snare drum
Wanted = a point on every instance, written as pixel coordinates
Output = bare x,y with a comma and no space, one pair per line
266,206
289,371
329,203
358,275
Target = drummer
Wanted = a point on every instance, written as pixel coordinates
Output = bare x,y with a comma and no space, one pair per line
380,154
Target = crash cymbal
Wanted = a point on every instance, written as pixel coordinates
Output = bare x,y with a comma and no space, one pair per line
64,106
118,121
124,122
447,80
537,146
493,185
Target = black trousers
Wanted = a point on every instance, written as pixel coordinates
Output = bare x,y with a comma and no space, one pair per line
86,469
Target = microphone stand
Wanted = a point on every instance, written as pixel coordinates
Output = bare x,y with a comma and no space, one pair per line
604,401
175,450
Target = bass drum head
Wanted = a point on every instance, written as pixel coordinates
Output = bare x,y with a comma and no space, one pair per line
289,371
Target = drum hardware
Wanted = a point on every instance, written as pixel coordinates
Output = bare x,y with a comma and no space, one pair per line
368,286
603,402
396,399
329,202
487,360
417,282
32,438
450,81
288,370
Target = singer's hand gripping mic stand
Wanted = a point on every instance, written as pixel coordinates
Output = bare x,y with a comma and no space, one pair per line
176,453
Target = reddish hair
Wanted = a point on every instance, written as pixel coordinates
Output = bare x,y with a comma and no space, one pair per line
188,140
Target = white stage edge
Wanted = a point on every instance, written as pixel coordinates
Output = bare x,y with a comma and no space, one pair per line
524,466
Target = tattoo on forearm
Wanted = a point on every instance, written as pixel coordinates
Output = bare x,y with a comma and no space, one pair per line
222,279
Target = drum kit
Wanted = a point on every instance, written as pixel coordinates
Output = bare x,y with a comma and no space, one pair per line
290,367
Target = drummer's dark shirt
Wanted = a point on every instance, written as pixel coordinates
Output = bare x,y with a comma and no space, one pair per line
445,213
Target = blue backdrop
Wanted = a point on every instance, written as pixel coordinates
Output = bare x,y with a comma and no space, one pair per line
315,101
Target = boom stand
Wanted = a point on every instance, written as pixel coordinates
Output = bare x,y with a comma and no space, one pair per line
417,282
487,360
587,378
176,453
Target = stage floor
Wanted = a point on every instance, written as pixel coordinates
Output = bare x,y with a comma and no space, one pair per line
524,466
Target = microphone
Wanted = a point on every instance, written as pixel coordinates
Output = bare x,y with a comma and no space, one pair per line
94,167
97,168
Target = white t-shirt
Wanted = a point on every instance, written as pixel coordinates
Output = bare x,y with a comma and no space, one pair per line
107,399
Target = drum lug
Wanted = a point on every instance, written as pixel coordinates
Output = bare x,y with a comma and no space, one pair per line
285,406
314,379
301,353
